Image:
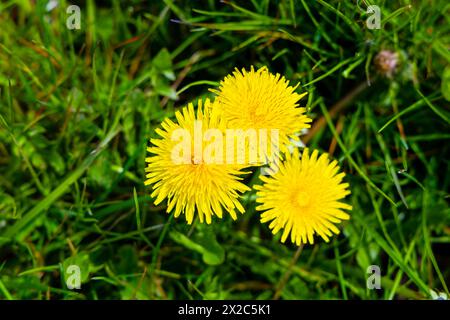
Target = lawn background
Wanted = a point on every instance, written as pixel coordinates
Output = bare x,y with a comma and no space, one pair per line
77,108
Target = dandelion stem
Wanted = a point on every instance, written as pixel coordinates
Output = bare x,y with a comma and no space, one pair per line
287,274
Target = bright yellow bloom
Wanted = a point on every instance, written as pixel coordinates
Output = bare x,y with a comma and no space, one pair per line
261,100
193,185
303,197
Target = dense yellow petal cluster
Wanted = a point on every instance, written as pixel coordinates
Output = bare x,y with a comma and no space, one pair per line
258,99
302,197
194,186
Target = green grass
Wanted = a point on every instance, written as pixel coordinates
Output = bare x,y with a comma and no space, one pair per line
77,108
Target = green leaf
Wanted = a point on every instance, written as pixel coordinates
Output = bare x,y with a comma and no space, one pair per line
163,64
56,161
214,254
206,244
8,207
166,91
445,85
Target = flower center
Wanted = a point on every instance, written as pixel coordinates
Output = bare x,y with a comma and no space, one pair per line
256,115
302,199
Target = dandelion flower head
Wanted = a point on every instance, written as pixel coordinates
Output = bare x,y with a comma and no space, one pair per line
258,99
194,185
303,197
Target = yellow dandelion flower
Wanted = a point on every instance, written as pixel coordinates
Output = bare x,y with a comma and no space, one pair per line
180,174
261,100
302,197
